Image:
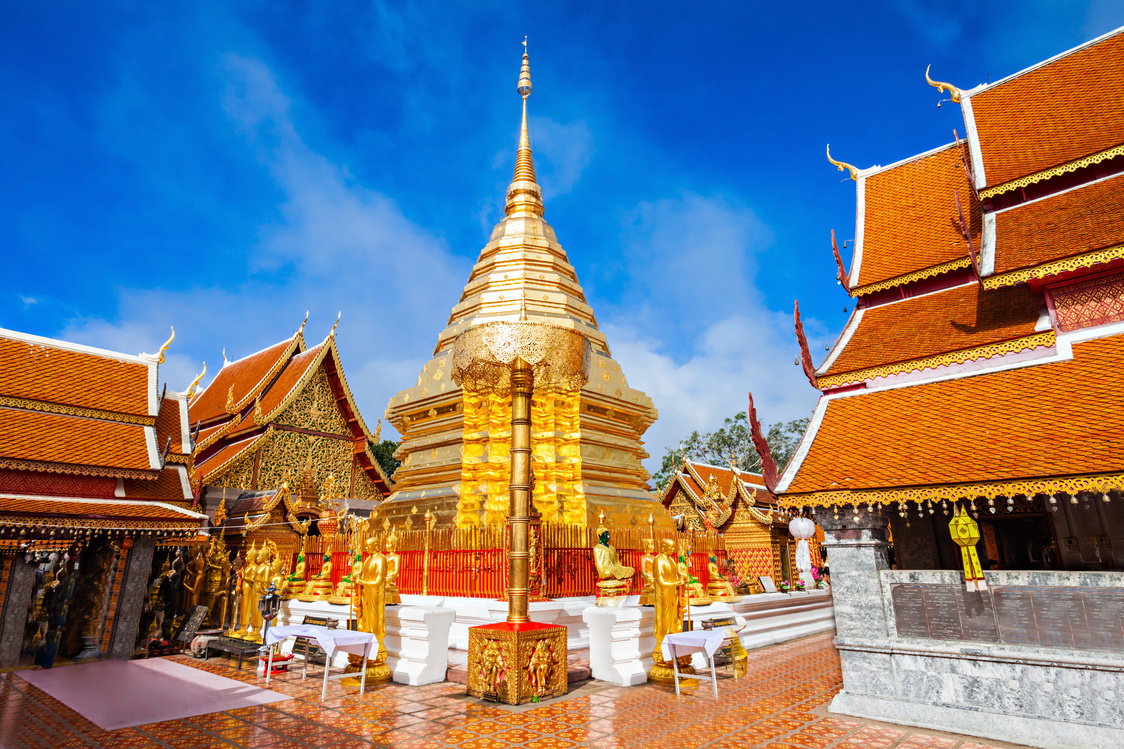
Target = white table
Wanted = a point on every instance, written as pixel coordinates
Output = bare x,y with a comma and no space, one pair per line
331,640
706,641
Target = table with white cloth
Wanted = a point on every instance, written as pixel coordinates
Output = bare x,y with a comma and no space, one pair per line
706,641
331,640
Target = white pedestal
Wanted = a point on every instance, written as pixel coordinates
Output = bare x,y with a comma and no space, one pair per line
620,643
420,641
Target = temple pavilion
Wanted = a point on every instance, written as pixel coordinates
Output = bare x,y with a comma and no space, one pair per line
95,458
737,505
977,377
455,446
275,429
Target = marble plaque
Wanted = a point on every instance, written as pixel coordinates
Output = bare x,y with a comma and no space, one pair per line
942,611
1104,613
977,615
909,610
1014,610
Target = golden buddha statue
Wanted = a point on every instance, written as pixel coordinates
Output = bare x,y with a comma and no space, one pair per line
719,588
370,609
696,595
346,587
215,579
320,586
294,583
613,577
247,602
392,563
669,613
260,581
193,581
647,563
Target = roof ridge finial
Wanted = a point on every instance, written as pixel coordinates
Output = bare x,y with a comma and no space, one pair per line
301,329
944,88
524,194
841,165
335,324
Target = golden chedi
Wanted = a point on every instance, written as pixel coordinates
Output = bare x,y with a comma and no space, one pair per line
455,445
669,614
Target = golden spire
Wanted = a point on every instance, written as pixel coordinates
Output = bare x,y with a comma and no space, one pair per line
524,197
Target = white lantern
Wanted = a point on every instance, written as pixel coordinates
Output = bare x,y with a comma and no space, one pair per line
802,529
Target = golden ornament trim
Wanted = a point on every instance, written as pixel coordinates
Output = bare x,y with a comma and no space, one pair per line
27,404
1102,483
1044,270
44,467
1056,171
890,283
976,353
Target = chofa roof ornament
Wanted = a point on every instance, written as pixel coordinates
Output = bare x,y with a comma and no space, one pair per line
841,165
944,88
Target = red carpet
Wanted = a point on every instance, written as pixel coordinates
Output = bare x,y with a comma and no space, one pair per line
117,693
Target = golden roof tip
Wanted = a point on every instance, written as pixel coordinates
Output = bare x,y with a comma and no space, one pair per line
841,165
336,324
944,88
167,343
301,330
524,193
191,387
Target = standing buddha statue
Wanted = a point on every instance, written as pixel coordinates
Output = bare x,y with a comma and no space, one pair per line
669,613
370,608
647,565
193,581
392,564
246,594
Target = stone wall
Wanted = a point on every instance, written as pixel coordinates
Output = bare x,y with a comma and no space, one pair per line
1041,696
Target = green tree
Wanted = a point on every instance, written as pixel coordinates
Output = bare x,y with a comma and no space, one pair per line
733,439
384,454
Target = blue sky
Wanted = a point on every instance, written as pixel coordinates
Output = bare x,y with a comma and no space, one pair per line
222,167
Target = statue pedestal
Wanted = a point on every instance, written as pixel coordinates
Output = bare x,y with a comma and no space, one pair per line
620,643
513,663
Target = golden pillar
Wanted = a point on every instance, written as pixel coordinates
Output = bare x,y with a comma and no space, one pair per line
519,660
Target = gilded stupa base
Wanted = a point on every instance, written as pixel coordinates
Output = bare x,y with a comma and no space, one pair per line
516,663
664,675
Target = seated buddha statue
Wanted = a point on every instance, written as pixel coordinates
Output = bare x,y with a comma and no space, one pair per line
294,583
719,587
346,586
392,563
320,586
613,577
696,595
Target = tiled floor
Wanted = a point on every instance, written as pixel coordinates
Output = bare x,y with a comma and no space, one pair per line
780,705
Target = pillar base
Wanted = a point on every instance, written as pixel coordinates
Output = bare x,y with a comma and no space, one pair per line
515,663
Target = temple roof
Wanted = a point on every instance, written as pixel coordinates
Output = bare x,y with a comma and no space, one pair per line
908,220
99,509
51,371
243,380
1057,112
916,329
1064,225
67,440
1051,419
713,491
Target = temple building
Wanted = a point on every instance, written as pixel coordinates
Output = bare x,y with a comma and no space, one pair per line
737,505
276,429
95,459
455,447
970,411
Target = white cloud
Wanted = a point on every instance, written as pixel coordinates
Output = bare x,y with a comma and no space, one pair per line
696,335
338,245
562,152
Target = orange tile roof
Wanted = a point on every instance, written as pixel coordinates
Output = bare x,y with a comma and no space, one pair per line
53,438
911,219
225,454
166,487
1063,111
247,376
290,378
951,320
169,424
1053,419
724,477
1070,223
75,378
97,510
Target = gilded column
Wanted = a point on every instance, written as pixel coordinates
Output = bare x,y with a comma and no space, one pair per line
522,387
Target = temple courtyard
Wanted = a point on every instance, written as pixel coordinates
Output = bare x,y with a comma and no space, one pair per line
781,703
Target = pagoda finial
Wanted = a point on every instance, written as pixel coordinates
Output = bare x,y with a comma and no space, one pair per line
524,195
944,88
841,165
